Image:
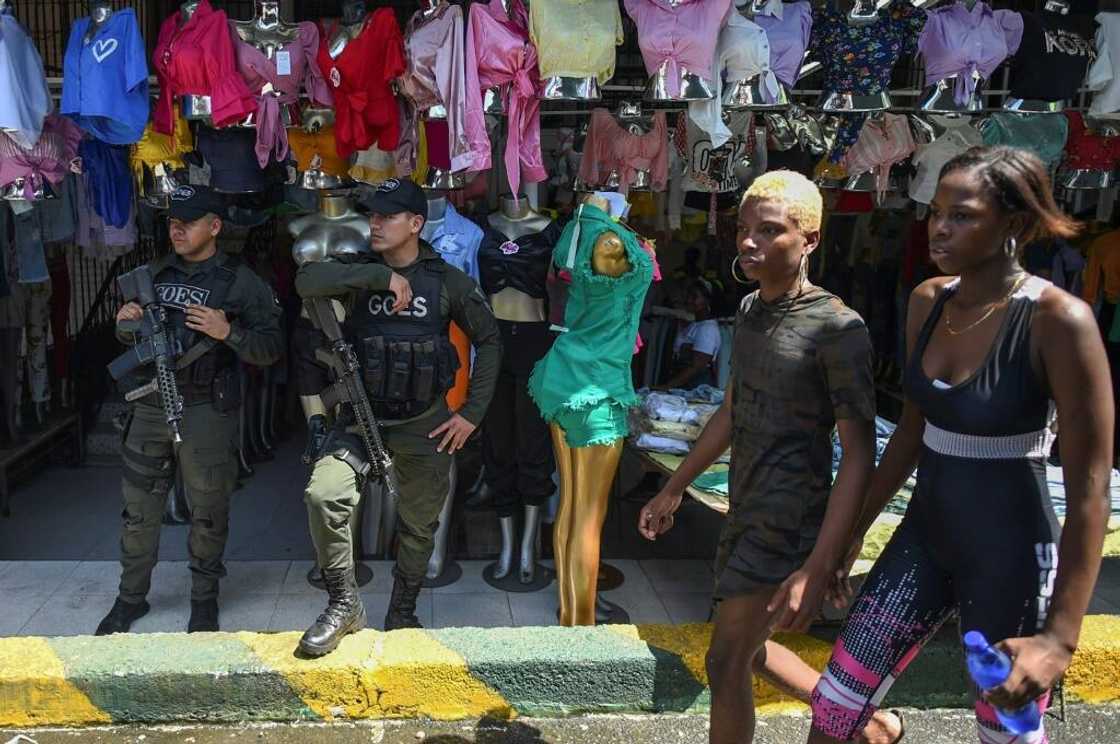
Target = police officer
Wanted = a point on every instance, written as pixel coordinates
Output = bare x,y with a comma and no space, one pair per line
402,298
215,302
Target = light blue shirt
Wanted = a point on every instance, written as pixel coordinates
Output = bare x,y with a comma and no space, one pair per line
456,239
24,98
105,82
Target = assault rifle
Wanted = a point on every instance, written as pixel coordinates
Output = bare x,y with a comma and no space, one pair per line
157,344
348,388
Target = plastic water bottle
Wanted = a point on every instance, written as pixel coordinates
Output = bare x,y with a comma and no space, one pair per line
989,667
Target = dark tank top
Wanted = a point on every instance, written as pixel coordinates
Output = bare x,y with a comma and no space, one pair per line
1004,396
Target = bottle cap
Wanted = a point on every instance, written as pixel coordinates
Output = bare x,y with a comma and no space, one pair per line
975,641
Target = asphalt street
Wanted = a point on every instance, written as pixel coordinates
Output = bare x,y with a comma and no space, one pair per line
1098,724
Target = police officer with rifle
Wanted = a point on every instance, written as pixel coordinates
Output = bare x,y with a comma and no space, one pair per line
189,318
401,300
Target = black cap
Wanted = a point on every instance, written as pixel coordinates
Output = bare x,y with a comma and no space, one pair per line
190,203
392,196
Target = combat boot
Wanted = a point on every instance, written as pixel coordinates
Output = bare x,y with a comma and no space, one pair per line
344,614
402,605
121,617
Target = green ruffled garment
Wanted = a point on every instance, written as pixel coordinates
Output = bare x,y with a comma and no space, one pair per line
589,364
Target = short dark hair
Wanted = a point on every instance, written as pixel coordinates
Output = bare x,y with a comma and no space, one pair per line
1019,182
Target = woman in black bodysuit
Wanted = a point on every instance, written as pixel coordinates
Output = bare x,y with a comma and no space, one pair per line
994,353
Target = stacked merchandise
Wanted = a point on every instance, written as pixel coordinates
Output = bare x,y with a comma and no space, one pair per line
670,422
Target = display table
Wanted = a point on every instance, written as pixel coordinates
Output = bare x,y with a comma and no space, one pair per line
668,464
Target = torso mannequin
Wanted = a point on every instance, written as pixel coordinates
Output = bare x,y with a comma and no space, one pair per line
266,31
437,208
515,219
195,107
99,12
269,34
335,230
353,18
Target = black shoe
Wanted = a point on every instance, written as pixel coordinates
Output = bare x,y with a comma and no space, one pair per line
121,617
345,614
204,616
402,605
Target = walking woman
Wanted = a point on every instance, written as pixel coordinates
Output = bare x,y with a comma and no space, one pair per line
993,354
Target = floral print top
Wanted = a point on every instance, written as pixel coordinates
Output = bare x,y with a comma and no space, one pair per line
859,59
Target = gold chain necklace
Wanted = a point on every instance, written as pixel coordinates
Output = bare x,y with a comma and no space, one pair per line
995,305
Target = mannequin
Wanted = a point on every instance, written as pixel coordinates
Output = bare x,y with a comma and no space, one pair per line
940,97
351,22
440,571
99,12
335,230
266,31
560,88
692,86
747,94
514,422
587,434
195,107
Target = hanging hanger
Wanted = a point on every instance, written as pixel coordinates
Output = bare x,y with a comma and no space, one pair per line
629,111
1056,6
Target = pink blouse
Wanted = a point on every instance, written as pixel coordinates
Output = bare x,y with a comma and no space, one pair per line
499,53
435,75
681,37
610,148
882,143
49,159
196,58
293,68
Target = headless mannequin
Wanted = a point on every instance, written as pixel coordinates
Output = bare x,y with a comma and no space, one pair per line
195,107
563,88
692,86
351,23
586,475
335,230
437,208
99,13
631,118
269,34
1034,105
515,219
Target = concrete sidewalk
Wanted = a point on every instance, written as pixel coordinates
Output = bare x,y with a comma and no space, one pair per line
65,598
456,674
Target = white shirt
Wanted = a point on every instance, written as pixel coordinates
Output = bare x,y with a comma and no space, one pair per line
1104,75
702,336
743,51
932,157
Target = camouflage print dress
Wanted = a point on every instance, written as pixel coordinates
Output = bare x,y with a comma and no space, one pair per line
798,364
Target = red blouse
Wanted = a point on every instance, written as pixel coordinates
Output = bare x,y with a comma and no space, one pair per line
1088,151
366,113
196,58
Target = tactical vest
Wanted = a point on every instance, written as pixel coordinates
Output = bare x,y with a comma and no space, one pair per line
408,360
177,290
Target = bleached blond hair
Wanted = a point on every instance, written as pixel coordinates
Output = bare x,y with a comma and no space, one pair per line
798,193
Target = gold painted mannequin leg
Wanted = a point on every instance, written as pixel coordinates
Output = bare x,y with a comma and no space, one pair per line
562,528
588,473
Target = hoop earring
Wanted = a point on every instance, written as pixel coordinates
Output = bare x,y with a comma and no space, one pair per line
734,275
803,271
1011,247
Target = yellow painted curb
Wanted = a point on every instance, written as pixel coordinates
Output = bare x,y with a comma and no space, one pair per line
420,677
34,690
1094,675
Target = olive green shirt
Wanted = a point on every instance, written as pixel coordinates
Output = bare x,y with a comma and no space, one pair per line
250,306
460,300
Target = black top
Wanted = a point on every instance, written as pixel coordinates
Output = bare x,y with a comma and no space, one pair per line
522,263
1004,396
1052,58
233,161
